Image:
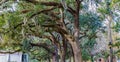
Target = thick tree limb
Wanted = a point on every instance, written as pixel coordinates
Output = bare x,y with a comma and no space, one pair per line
10,52
42,11
55,4
53,15
43,45
51,4
72,11
56,28
56,42
26,11
33,1
18,25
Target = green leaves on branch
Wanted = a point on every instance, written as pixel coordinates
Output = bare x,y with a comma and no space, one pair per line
26,45
103,10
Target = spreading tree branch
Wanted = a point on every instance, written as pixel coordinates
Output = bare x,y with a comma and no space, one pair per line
42,11
43,45
55,4
10,52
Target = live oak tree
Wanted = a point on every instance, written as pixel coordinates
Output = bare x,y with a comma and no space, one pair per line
59,27
24,26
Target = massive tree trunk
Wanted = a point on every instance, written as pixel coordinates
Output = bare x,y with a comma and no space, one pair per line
75,47
75,44
74,39
76,52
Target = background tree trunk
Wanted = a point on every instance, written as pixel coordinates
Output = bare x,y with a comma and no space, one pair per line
110,38
110,31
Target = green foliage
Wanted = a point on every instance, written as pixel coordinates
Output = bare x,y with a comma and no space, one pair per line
90,23
117,43
117,27
103,10
2,21
114,2
39,54
26,46
86,55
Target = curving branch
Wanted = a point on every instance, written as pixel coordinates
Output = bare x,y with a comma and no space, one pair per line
42,11
43,45
56,42
54,4
53,15
33,1
10,52
59,5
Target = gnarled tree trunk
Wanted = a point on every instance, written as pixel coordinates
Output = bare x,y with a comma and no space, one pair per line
76,52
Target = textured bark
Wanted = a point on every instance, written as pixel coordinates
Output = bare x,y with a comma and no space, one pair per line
76,52
75,47
75,44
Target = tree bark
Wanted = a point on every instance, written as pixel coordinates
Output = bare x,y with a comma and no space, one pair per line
76,52
75,43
